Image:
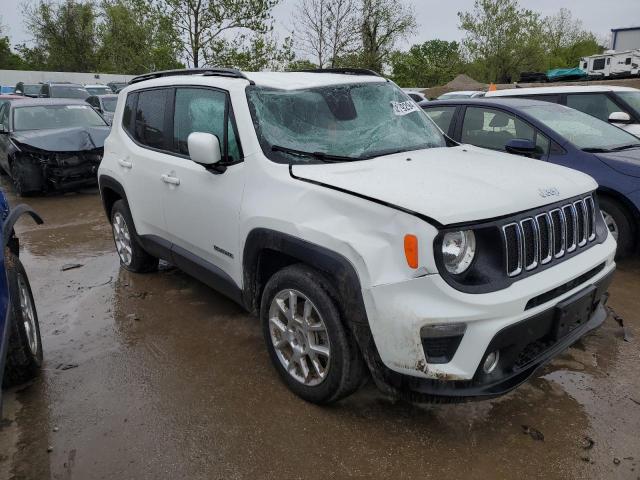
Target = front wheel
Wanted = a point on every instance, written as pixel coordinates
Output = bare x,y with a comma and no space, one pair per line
315,355
619,224
24,356
132,256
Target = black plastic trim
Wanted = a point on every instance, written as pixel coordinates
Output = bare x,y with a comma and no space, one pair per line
12,218
217,72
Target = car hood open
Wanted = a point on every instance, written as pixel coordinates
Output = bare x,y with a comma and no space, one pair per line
452,185
74,139
626,162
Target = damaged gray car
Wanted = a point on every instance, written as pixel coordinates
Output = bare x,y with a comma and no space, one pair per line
51,144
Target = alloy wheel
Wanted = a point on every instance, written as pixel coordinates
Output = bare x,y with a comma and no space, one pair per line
28,316
122,238
299,336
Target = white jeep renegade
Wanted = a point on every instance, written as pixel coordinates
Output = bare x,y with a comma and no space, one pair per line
367,241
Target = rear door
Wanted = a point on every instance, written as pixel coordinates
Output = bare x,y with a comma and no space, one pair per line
146,121
202,210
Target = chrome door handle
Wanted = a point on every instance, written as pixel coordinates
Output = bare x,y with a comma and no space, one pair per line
170,180
125,164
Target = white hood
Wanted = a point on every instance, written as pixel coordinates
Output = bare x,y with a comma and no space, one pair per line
452,185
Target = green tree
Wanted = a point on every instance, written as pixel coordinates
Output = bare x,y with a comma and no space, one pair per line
254,53
502,39
209,28
434,62
135,36
566,40
383,24
8,59
300,64
64,35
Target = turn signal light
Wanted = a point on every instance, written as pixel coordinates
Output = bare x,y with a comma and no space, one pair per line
411,250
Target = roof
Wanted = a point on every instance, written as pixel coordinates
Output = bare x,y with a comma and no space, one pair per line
31,102
561,89
505,102
624,29
463,92
279,80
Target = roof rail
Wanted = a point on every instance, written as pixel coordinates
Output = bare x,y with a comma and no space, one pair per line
214,72
345,71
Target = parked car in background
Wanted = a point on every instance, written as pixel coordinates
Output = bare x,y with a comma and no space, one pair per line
20,343
461,94
116,86
561,135
415,95
48,144
105,105
28,89
98,89
365,239
63,90
618,105
6,90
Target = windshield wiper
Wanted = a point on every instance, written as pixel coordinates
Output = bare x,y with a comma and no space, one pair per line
596,150
324,157
625,147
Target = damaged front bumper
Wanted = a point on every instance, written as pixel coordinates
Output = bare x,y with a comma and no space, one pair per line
525,324
68,170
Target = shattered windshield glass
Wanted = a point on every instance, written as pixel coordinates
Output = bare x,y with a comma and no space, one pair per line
358,121
43,117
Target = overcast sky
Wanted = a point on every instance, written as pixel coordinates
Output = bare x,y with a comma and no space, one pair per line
435,18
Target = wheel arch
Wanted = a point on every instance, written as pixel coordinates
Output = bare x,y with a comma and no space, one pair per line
111,191
623,201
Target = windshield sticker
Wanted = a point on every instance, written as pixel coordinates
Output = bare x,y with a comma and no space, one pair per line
404,108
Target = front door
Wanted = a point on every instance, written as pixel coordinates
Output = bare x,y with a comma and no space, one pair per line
201,206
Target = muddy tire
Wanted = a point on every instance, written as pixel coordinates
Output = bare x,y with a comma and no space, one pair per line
133,256
27,178
620,224
312,350
24,354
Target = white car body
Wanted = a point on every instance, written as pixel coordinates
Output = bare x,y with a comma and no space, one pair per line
633,126
361,212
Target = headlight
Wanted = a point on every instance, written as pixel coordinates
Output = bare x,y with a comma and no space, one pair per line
458,250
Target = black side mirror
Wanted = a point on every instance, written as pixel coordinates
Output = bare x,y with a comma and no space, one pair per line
521,146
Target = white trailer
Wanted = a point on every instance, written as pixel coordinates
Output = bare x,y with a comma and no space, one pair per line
612,64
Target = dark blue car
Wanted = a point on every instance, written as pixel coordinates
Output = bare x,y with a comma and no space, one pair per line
558,134
20,345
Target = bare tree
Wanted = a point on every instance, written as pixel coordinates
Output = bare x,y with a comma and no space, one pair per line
383,24
326,29
205,24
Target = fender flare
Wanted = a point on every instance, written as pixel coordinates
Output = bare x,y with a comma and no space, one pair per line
112,184
12,218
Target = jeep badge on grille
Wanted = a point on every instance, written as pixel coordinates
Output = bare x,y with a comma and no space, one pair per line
548,192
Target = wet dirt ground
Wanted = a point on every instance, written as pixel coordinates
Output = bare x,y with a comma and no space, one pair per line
159,377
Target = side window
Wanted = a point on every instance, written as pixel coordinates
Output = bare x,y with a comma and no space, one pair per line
598,105
93,101
627,61
128,114
492,129
598,64
203,110
545,98
149,119
441,116
45,90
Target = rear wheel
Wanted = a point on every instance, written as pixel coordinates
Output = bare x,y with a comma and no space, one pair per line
315,355
27,177
24,356
620,225
132,256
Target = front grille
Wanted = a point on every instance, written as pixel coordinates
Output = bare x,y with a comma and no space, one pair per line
536,240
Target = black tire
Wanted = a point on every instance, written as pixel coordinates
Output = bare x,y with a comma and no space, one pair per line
23,364
624,223
27,177
141,261
346,369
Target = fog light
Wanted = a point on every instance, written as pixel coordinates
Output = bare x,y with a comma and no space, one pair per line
491,362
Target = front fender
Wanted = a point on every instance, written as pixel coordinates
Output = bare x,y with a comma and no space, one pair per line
12,218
